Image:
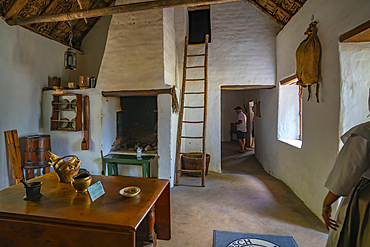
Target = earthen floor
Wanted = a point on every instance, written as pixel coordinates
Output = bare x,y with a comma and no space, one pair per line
243,198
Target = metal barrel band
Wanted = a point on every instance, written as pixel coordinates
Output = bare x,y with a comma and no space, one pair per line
36,167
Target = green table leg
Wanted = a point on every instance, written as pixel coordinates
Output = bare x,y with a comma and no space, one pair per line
145,168
115,168
110,168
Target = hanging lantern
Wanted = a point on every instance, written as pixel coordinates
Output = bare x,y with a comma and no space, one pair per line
70,59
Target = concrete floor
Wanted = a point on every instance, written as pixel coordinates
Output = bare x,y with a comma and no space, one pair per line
244,198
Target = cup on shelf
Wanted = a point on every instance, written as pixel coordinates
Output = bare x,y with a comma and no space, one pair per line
72,85
84,82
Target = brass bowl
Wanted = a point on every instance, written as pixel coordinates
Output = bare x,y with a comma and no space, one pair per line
81,182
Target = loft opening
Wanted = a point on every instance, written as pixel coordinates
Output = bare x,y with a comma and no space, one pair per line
199,24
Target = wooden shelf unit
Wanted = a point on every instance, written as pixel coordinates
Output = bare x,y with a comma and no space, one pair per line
56,113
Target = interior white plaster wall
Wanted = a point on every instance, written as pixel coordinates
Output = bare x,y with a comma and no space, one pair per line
305,170
93,46
169,46
242,52
133,57
355,70
26,62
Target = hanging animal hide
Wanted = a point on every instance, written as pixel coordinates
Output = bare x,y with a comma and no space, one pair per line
308,59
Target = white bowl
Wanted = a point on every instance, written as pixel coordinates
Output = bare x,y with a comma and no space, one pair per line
124,192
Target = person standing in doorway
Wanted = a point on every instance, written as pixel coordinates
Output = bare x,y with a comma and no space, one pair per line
241,128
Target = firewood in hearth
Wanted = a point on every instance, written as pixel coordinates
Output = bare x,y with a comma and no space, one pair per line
148,148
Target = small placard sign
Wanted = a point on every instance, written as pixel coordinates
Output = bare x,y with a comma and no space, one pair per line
96,190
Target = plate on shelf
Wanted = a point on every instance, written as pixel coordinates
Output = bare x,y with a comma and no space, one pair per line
73,104
73,123
130,191
63,104
63,125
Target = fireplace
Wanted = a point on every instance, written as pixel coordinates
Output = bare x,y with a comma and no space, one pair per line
137,123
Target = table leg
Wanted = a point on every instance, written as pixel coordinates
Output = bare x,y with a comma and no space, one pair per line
110,168
115,167
145,170
151,221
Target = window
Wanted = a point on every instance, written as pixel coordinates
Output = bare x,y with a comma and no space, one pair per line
290,112
199,24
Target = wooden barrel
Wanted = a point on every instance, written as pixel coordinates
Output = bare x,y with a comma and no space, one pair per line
36,154
194,162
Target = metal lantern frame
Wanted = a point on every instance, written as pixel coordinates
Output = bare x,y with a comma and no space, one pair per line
70,56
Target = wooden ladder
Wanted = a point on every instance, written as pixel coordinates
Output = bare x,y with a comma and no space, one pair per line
180,136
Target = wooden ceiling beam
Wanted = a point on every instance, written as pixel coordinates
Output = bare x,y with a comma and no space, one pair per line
267,13
15,9
118,9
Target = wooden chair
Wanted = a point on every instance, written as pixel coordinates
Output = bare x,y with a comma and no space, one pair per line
14,154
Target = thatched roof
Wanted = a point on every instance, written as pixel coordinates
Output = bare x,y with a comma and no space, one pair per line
55,18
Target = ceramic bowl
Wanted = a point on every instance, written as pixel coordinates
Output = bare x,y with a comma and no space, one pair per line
130,191
73,104
63,125
64,103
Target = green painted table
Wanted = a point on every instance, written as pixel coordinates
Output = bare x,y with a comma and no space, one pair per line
125,159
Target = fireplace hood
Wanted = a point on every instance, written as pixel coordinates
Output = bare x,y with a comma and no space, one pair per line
135,53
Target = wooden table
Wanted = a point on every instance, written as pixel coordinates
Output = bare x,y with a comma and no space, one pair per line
63,217
114,159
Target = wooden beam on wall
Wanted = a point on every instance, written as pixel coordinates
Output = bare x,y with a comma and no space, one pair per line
127,93
125,8
15,9
358,34
246,87
289,80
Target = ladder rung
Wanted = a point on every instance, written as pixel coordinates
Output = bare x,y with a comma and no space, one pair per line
192,137
193,106
195,67
194,79
196,55
191,153
195,93
193,121
183,170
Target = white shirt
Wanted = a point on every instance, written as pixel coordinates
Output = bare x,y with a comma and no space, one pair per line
243,126
352,162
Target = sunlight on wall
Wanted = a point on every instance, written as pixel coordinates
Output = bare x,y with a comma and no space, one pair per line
288,116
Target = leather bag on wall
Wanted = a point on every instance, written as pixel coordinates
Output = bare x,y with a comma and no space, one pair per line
308,57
